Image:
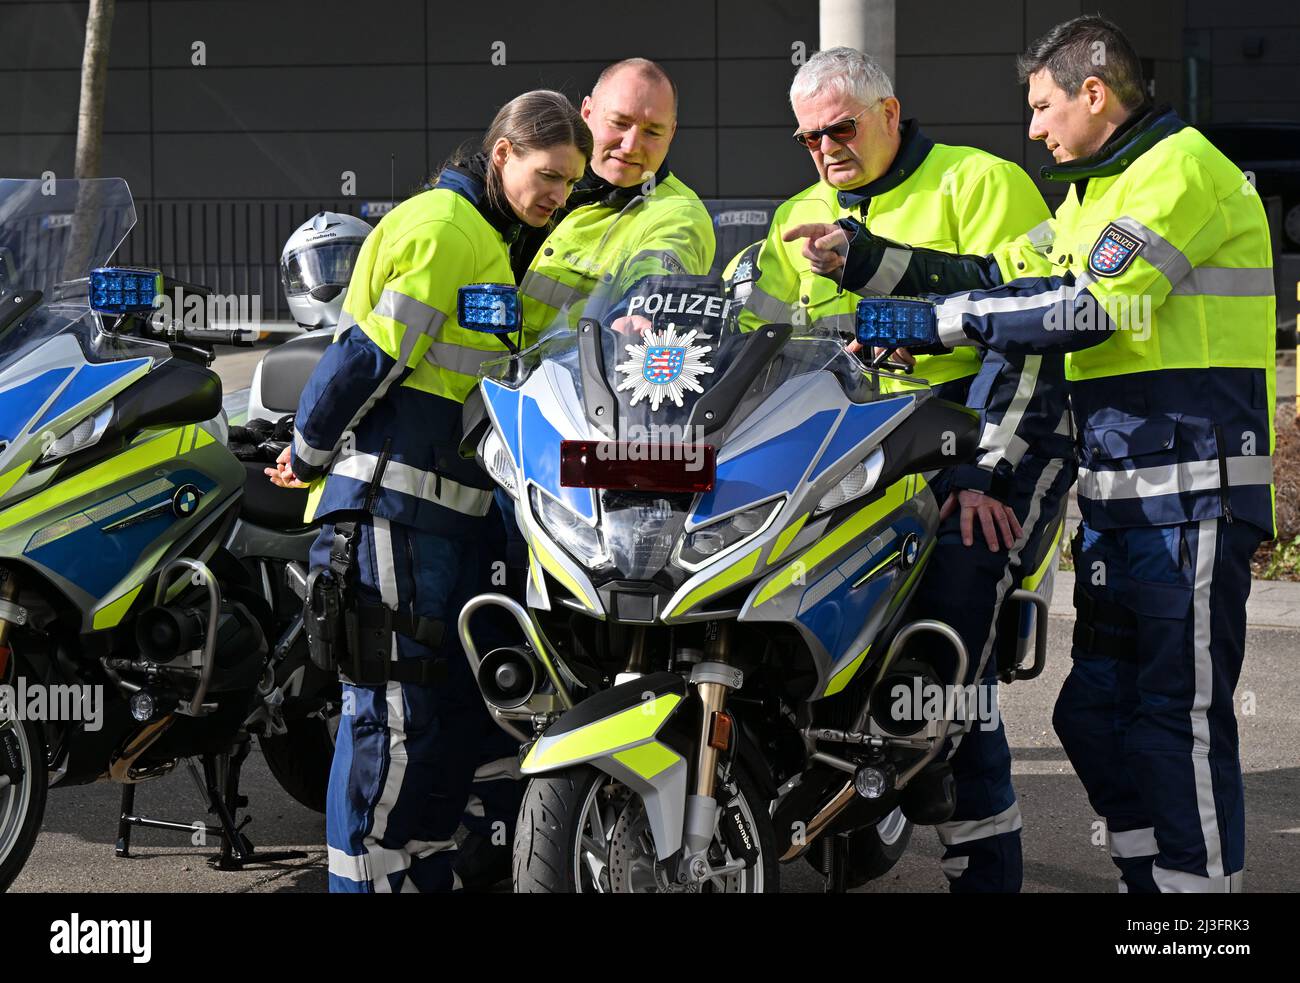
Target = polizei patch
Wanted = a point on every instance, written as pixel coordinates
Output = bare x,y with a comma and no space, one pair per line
1114,251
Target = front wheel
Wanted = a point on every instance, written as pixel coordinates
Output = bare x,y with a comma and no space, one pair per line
23,790
582,831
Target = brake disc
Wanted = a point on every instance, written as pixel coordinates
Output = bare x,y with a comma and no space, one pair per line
633,866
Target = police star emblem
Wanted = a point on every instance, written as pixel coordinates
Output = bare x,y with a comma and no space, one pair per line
664,366
1114,251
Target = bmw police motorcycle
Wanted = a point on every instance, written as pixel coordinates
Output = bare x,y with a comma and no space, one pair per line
131,638
726,517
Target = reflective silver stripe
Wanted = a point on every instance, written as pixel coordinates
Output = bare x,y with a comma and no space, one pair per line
411,313
383,860
949,327
460,358
549,291
385,566
1227,281
762,304
399,366
1133,842
1170,479
1001,440
474,807
954,867
1182,882
963,304
407,480
1203,671
949,313
1006,821
892,267
346,321
314,456
1165,257
666,258
1042,235
347,866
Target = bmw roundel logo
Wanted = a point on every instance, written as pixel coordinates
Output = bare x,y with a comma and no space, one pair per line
911,549
185,500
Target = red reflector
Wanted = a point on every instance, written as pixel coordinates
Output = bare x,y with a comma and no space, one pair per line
638,467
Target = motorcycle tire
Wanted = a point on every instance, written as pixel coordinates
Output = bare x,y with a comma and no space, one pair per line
546,859
22,805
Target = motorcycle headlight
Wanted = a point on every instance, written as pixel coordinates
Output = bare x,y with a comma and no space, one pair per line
496,460
707,543
857,482
568,528
84,434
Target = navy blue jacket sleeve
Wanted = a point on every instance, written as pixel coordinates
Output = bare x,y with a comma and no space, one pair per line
880,266
1029,316
353,373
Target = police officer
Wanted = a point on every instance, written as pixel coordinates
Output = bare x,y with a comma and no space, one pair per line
889,177
380,423
1156,275
629,210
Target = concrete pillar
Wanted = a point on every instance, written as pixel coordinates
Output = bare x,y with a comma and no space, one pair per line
867,25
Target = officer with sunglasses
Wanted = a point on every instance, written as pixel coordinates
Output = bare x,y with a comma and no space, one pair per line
886,174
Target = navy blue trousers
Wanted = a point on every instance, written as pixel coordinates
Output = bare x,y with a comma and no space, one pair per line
965,586
406,755
1150,730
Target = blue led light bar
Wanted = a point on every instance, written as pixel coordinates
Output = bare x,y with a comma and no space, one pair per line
490,307
894,322
121,290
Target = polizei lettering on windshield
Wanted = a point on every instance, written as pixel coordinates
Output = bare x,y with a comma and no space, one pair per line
686,304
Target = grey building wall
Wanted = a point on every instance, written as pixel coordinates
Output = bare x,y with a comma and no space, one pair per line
1245,57
227,157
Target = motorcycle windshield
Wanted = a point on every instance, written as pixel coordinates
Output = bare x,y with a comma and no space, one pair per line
665,364
52,234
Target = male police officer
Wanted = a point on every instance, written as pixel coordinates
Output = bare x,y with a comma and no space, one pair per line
630,211
629,217
1156,275
903,186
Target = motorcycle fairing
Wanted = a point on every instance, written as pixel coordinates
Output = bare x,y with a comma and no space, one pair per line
617,731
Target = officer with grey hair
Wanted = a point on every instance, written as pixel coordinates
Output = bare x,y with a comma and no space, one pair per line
883,172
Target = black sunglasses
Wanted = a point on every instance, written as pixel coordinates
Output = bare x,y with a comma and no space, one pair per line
841,132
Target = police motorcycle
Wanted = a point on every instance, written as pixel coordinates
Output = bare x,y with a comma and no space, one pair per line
271,537
726,518
131,639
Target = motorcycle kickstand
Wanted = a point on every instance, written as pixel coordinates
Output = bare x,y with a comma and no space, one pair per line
221,778
123,845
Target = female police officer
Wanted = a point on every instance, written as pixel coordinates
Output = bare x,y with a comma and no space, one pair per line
380,420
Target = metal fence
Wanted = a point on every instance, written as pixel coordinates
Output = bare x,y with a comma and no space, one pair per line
231,247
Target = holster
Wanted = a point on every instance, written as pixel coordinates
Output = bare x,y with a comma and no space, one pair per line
353,635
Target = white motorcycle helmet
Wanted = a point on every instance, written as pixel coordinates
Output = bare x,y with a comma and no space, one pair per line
316,265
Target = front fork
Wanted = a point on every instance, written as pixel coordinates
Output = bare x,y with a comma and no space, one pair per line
712,679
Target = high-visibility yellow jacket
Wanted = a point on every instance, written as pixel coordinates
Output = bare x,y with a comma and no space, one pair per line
379,423
1156,276
603,247
955,199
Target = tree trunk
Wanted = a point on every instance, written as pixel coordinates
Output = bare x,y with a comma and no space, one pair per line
94,78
